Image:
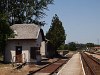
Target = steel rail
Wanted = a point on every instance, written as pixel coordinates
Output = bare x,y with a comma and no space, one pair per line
87,64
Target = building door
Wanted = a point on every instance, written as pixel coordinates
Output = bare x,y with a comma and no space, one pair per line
18,54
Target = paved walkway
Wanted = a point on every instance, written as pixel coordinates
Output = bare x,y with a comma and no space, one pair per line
73,66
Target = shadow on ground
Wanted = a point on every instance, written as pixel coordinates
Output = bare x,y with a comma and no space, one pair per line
1,62
43,63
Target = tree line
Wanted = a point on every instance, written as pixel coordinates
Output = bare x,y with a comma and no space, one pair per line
72,46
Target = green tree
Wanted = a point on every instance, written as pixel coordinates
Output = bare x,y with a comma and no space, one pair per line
25,11
56,34
63,47
5,32
80,46
72,46
66,47
89,44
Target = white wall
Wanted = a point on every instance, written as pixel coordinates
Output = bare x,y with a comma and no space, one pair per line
11,49
38,41
38,44
41,44
42,49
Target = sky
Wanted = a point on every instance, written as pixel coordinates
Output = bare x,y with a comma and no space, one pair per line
80,19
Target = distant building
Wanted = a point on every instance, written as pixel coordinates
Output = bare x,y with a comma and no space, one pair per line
28,45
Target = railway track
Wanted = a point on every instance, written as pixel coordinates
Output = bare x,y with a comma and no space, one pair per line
49,69
94,58
91,65
94,53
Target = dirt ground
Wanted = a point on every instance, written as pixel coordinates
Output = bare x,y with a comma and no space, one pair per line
6,69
